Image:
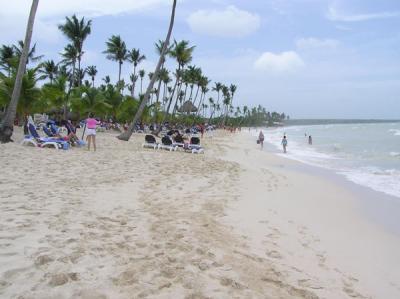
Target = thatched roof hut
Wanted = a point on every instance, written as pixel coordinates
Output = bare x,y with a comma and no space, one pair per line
187,107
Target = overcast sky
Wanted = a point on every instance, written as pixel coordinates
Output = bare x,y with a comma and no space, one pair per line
307,58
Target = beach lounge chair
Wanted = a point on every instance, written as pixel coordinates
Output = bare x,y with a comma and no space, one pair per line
166,143
150,142
178,141
35,140
194,147
48,132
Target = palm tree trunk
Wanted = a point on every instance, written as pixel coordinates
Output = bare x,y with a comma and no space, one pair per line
164,91
127,134
173,92
119,71
79,69
195,97
177,99
134,83
158,90
7,126
184,97
202,96
73,73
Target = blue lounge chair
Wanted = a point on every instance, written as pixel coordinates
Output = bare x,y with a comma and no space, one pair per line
48,132
34,139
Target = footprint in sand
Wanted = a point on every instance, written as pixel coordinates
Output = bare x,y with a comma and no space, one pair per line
349,290
274,254
308,283
228,282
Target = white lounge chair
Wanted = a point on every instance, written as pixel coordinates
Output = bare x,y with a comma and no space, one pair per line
150,142
167,144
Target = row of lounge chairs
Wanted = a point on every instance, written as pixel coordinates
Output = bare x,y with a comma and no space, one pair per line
54,138
35,140
170,144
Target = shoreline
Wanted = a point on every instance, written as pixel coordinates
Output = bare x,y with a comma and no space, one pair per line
380,207
341,216
338,173
235,222
383,208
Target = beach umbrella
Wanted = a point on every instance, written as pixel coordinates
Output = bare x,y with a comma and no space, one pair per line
187,107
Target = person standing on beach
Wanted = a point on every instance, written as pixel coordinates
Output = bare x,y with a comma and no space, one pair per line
91,124
284,144
261,139
310,140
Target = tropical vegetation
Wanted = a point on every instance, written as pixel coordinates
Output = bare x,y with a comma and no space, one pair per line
71,89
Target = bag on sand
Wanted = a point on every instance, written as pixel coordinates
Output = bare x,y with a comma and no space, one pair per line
258,141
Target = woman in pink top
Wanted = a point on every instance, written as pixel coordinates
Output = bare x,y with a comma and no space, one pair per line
91,124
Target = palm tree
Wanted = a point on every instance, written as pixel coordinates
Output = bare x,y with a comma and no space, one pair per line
159,46
133,79
18,48
6,56
162,76
89,99
80,75
226,102
30,94
70,56
6,128
126,135
114,98
142,73
116,51
134,56
204,91
107,79
92,72
232,89
56,92
183,55
212,108
217,88
76,31
49,69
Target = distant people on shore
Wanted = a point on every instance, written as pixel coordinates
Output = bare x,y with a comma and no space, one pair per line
261,139
91,125
284,143
310,140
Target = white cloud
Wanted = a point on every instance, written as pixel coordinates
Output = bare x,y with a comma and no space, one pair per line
281,62
315,43
51,8
231,22
334,15
51,12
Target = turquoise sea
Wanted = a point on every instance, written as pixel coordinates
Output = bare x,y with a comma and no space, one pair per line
366,154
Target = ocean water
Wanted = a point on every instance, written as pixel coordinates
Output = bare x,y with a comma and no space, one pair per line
366,154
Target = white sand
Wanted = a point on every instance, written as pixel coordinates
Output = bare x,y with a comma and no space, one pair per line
127,222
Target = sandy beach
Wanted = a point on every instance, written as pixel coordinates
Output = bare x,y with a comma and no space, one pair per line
236,222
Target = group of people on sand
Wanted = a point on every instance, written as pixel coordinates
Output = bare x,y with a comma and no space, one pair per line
53,131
